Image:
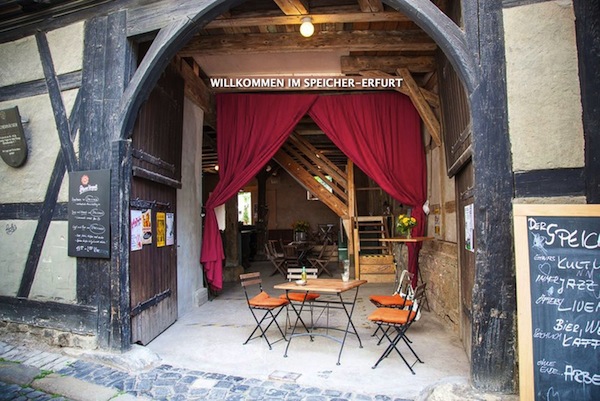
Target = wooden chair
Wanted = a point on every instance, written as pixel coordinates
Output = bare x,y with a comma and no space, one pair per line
290,253
275,248
400,320
277,261
323,259
262,303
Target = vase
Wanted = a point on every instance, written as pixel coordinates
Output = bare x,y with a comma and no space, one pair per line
300,236
408,234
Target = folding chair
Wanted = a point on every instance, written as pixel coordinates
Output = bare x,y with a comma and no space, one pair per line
322,260
273,243
271,307
400,320
290,254
400,299
277,261
295,273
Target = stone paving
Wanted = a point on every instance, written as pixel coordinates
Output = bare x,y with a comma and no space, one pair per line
164,382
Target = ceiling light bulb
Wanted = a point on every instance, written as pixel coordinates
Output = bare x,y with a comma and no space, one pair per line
307,28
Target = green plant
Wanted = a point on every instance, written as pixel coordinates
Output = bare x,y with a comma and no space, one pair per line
301,225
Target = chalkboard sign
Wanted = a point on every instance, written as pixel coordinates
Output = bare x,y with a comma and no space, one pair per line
557,249
13,146
89,214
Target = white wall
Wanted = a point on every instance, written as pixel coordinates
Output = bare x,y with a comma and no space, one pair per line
55,277
190,291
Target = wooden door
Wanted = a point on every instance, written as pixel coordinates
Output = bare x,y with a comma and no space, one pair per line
464,187
156,177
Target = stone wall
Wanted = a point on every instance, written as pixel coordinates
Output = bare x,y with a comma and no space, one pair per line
44,335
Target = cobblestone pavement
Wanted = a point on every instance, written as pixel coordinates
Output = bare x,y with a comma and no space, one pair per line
164,382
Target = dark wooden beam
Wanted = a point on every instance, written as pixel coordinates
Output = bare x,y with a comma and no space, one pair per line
71,80
494,315
352,65
549,183
197,91
341,17
323,40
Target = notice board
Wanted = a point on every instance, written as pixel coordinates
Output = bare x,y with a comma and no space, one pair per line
89,214
557,251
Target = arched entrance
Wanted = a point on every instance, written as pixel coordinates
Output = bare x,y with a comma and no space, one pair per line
493,312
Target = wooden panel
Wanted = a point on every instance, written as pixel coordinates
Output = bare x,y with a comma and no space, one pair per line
455,114
153,269
376,259
378,278
378,269
464,186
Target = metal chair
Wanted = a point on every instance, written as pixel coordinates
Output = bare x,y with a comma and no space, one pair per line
400,320
401,298
295,273
262,302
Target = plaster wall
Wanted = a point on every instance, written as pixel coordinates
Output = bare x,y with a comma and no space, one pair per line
190,291
43,146
292,204
544,102
55,277
438,259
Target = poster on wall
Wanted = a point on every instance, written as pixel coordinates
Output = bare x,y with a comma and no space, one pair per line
469,228
160,229
147,227
170,228
137,234
89,214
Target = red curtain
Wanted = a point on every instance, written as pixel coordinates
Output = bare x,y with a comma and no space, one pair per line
381,133
250,130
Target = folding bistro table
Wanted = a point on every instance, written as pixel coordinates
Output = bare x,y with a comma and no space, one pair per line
326,287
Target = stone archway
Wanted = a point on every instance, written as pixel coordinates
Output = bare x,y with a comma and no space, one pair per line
477,54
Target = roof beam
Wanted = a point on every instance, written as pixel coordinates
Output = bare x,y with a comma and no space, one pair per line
288,42
354,64
370,5
322,18
292,7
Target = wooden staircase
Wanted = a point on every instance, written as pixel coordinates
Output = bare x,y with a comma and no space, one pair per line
304,162
373,261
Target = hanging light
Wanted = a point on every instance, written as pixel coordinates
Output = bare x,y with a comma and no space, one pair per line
307,28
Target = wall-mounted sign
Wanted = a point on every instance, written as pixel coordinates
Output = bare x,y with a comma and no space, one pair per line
89,214
557,249
13,146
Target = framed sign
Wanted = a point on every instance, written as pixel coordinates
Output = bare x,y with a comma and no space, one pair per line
89,214
557,251
13,146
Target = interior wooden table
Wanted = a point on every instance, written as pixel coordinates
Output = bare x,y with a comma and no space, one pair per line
329,287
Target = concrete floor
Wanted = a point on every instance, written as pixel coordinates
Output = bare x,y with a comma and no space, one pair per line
211,339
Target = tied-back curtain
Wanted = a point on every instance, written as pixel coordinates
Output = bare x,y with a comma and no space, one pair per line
381,133
250,130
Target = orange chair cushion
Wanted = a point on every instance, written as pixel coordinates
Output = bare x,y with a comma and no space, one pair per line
390,300
299,296
263,300
392,316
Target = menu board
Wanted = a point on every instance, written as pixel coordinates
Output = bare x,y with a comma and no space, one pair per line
89,214
557,250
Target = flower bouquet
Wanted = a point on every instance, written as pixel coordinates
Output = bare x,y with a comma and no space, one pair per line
404,224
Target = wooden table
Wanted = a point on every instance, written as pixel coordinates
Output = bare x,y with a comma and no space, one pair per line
328,287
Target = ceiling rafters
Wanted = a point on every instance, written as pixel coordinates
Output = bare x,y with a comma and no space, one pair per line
413,41
292,7
317,18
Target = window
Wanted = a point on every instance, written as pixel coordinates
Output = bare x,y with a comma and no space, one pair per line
328,187
245,208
